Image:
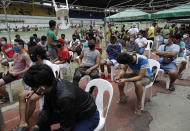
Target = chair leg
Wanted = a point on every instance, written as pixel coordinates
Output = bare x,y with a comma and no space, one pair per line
167,82
150,89
143,98
10,93
112,73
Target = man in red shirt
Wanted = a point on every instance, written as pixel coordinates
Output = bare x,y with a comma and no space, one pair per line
7,50
63,58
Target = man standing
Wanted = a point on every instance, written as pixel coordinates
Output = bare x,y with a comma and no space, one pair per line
151,32
134,30
52,37
141,76
64,102
167,57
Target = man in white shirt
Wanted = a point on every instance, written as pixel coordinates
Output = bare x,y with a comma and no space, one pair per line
142,42
134,30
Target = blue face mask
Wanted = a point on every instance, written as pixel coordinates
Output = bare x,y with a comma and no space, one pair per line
3,43
166,41
132,39
16,48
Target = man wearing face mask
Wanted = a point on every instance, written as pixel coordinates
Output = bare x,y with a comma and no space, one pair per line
89,62
21,64
26,108
63,58
112,50
7,50
142,42
186,39
132,47
75,45
167,57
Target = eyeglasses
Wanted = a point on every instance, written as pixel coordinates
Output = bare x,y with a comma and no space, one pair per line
39,91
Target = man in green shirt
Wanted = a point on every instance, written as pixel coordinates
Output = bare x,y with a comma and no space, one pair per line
52,38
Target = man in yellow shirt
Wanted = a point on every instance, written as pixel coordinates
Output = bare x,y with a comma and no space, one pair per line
108,34
151,32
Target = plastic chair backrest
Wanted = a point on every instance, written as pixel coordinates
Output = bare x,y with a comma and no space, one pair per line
149,41
102,86
154,63
56,70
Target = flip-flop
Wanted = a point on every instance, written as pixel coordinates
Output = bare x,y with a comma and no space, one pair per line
123,100
138,111
22,128
172,88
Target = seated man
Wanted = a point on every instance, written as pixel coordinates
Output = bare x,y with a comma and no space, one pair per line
131,46
38,56
167,57
112,50
142,42
141,76
89,62
72,107
21,64
186,39
43,42
7,50
75,45
180,61
63,58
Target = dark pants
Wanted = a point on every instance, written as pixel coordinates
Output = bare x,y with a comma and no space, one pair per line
80,72
83,125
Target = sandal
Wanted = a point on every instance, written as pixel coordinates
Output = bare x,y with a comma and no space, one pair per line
172,88
180,77
22,128
138,111
123,100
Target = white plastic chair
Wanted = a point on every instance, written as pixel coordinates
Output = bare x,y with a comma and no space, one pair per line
187,58
152,63
148,48
56,71
8,86
102,86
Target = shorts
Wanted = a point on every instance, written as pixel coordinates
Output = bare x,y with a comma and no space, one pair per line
144,81
141,51
8,77
179,60
168,67
114,62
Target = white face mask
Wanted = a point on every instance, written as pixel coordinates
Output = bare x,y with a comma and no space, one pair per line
185,36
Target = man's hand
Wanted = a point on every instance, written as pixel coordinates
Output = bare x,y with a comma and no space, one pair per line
35,128
4,73
80,65
13,73
29,94
122,81
87,72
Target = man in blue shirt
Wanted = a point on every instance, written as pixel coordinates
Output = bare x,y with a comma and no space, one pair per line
186,39
112,50
171,51
141,76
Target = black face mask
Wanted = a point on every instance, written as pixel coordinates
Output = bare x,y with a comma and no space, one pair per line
33,58
91,47
74,39
59,46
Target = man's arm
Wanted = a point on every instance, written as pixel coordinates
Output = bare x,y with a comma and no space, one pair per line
50,41
137,78
67,115
167,54
81,57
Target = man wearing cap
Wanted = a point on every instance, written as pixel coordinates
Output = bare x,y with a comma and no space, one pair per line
63,58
